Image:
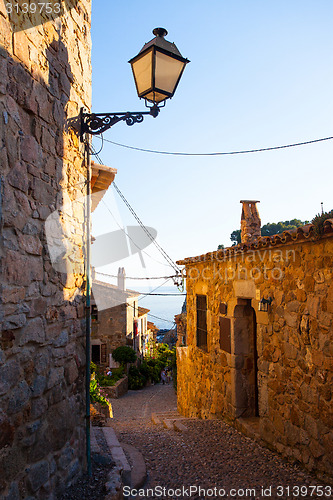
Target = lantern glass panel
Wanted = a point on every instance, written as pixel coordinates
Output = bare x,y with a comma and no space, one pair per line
155,97
142,70
167,72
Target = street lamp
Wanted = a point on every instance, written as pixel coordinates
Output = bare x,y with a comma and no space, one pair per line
157,70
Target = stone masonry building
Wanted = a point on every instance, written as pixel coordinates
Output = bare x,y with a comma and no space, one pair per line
259,350
117,320
45,78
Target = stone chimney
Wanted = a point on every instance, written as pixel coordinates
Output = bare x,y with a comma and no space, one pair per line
121,278
250,222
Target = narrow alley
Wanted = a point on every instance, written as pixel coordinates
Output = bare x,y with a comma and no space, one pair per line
208,454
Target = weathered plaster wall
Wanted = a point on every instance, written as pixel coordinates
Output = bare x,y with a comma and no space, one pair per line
45,77
294,346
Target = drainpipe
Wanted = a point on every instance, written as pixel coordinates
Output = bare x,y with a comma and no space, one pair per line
88,304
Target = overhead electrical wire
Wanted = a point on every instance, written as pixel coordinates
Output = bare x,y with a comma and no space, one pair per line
153,316
138,277
129,237
150,236
224,153
137,218
154,289
165,294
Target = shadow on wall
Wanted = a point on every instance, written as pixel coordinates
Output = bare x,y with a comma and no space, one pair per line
42,360
24,14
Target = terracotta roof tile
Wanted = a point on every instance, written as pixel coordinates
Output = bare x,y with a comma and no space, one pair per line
142,311
301,233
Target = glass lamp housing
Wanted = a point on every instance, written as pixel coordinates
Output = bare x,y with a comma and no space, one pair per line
158,68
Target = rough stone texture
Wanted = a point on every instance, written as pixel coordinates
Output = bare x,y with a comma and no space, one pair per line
250,222
292,372
208,454
45,78
119,389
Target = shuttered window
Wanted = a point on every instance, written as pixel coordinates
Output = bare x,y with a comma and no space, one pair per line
103,353
225,338
94,313
202,321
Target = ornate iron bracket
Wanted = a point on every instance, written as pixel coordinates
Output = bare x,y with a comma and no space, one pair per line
97,123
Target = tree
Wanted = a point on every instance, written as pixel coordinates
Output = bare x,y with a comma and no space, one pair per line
124,354
278,227
235,237
319,220
268,230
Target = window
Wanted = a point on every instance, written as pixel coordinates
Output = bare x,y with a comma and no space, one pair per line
202,321
94,313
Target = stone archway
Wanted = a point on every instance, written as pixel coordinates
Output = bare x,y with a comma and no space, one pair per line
245,382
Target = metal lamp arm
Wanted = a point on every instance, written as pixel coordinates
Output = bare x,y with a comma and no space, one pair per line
97,123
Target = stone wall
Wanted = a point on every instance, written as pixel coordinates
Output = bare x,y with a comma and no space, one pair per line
276,366
110,330
116,311
45,77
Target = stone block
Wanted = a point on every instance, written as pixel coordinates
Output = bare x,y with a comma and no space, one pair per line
5,34
39,408
31,244
244,289
38,386
34,331
18,177
56,375
71,372
37,307
15,321
20,269
9,376
19,398
316,449
61,340
48,140
43,192
38,475
30,150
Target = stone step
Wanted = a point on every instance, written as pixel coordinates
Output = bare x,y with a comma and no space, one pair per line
139,471
118,454
155,419
178,426
168,424
133,474
174,415
169,419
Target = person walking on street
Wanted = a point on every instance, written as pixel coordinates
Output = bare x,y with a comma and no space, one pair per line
163,376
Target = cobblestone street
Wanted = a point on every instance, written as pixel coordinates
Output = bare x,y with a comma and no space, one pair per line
208,454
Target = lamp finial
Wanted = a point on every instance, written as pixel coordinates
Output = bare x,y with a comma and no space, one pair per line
160,32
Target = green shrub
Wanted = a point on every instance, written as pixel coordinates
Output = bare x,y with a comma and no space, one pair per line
124,354
135,379
318,222
93,368
106,381
95,393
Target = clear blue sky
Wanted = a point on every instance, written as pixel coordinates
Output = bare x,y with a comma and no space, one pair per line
261,75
